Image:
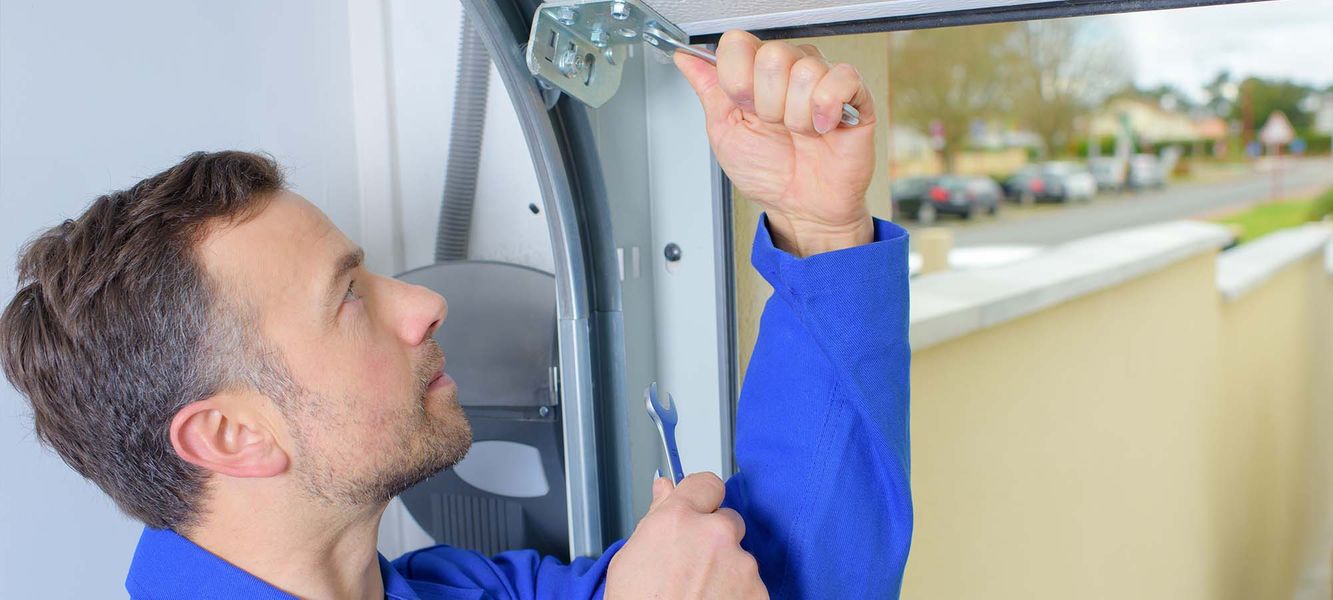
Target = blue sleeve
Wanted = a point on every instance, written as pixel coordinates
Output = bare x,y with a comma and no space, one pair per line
515,575
822,426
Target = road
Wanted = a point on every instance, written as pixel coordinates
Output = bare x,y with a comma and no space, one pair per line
1046,225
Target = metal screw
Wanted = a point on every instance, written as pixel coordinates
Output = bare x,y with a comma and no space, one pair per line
672,252
598,37
570,63
567,16
544,411
619,11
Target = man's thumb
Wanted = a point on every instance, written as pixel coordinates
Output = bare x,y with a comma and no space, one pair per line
702,77
661,489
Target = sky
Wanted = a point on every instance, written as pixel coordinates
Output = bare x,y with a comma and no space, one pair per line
1283,39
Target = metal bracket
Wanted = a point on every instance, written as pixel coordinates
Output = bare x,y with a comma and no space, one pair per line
580,46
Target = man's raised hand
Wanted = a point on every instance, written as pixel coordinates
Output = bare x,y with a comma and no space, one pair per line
772,111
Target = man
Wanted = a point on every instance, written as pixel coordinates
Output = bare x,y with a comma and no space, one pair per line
209,350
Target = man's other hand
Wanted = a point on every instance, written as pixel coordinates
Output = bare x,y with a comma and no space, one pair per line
686,547
772,111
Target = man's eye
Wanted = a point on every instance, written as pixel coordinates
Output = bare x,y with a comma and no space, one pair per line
351,295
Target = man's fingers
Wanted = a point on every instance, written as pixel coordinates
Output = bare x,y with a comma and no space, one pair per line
772,71
701,492
735,67
842,84
703,78
734,522
805,75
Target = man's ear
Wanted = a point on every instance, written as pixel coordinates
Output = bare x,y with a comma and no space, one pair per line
227,435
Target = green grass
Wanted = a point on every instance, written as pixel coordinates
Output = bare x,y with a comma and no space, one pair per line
1266,218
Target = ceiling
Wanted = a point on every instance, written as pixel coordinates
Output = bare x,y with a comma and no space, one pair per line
700,17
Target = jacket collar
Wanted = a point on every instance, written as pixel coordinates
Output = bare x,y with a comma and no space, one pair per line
167,565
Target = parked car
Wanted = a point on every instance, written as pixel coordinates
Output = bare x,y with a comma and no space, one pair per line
1052,181
1110,173
925,198
1146,171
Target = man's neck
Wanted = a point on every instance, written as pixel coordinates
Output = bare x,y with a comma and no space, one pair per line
310,548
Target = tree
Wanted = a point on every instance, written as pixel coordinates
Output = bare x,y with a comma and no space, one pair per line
1260,97
1063,68
1221,94
953,75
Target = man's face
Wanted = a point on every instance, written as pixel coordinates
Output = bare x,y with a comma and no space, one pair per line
370,411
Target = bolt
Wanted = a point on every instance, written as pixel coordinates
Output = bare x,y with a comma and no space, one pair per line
567,16
672,252
598,37
544,411
570,63
619,11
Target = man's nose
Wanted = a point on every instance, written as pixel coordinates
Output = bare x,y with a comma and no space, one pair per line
422,312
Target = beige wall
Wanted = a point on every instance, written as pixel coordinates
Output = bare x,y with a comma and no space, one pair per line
1148,441
1275,420
1062,455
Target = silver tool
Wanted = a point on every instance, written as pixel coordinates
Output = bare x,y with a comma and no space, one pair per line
657,38
664,415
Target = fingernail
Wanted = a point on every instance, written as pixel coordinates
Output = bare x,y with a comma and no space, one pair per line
822,124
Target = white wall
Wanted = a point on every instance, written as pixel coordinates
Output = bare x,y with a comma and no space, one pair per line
423,53
93,97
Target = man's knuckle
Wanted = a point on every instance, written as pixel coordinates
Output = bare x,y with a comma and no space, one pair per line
774,57
808,70
735,36
721,534
848,69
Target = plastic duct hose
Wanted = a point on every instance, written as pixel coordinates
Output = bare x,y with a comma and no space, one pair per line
465,135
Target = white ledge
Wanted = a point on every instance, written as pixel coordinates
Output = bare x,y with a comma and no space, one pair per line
1328,257
1245,267
953,304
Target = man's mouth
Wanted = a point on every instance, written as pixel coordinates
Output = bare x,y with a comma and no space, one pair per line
440,380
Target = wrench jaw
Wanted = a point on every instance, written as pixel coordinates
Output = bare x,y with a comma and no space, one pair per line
664,416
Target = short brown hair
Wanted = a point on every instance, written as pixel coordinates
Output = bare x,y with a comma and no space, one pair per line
115,326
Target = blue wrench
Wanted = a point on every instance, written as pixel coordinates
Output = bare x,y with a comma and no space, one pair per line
665,417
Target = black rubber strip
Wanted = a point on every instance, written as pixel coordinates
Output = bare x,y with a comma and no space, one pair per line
975,16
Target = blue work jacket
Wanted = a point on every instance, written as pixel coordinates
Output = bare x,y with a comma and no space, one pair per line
821,446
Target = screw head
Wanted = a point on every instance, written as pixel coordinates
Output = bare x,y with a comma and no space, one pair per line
672,252
570,63
544,411
567,16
